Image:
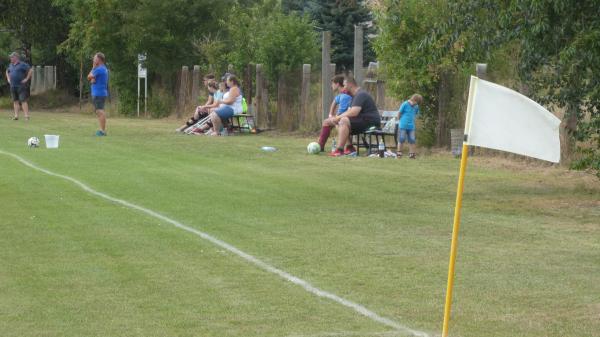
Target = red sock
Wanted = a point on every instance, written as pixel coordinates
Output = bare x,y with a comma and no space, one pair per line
325,131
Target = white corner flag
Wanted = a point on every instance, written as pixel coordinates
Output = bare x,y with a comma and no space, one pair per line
502,119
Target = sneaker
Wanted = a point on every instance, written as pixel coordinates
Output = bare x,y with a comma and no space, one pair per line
15,118
399,154
412,155
336,153
100,133
349,150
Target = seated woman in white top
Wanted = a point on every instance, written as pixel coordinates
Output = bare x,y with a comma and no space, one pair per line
229,106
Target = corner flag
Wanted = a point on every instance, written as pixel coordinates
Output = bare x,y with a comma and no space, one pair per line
502,119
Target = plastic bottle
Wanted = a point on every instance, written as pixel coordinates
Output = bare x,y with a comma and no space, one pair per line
381,149
333,146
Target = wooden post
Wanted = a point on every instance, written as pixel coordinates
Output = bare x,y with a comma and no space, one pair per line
326,94
195,85
358,54
481,70
183,90
50,78
80,81
259,112
380,98
304,96
247,85
40,82
281,101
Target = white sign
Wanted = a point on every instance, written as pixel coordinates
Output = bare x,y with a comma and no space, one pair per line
142,72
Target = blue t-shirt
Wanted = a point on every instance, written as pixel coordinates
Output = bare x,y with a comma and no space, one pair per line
343,102
408,114
218,96
100,88
17,73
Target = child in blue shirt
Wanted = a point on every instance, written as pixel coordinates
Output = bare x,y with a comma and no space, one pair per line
406,125
341,102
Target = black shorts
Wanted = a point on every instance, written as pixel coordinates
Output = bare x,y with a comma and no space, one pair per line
19,94
98,102
361,124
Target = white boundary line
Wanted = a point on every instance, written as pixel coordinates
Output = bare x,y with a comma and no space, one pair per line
259,263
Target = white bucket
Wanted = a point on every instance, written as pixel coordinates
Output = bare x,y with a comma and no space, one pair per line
51,141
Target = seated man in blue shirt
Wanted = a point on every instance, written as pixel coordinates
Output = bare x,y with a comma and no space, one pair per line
98,78
18,75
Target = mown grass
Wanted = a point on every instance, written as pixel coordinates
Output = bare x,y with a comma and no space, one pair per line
374,231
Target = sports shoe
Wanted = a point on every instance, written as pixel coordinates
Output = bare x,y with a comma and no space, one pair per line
100,133
336,153
349,150
15,118
399,154
412,155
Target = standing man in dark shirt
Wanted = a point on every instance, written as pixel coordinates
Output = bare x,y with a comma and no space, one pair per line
362,115
18,75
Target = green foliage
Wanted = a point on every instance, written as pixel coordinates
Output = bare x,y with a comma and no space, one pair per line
339,17
121,29
42,23
281,42
285,43
560,59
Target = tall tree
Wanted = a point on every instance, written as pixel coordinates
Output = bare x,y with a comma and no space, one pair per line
339,17
560,59
41,24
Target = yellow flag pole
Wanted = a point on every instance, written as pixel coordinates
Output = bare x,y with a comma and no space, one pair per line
458,205
454,246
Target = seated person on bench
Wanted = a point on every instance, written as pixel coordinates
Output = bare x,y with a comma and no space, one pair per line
341,102
362,115
202,110
229,106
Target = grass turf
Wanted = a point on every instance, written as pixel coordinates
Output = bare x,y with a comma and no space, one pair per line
376,232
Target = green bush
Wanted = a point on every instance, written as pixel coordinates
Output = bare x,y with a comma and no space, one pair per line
161,103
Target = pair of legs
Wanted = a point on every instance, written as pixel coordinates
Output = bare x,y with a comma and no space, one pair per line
410,136
325,132
99,107
199,114
20,96
351,126
218,116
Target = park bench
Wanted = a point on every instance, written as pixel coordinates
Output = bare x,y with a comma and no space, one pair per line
365,139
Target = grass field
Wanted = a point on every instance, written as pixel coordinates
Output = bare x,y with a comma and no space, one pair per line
376,232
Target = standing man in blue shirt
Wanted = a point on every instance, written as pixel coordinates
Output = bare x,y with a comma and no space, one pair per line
18,75
406,125
98,78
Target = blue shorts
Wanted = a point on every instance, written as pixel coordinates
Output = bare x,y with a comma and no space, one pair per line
403,134
225,113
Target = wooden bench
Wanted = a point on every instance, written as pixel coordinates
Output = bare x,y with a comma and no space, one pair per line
242,122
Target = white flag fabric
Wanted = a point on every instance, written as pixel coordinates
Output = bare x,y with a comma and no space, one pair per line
502,119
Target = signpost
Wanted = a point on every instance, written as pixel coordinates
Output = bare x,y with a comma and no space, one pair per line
142,74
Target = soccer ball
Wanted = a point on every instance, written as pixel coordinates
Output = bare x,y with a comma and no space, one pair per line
33,142
313,148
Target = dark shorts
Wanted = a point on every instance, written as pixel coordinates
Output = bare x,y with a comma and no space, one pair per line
361,124
98,102
19,94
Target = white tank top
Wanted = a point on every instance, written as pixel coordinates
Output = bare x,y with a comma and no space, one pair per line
236,105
